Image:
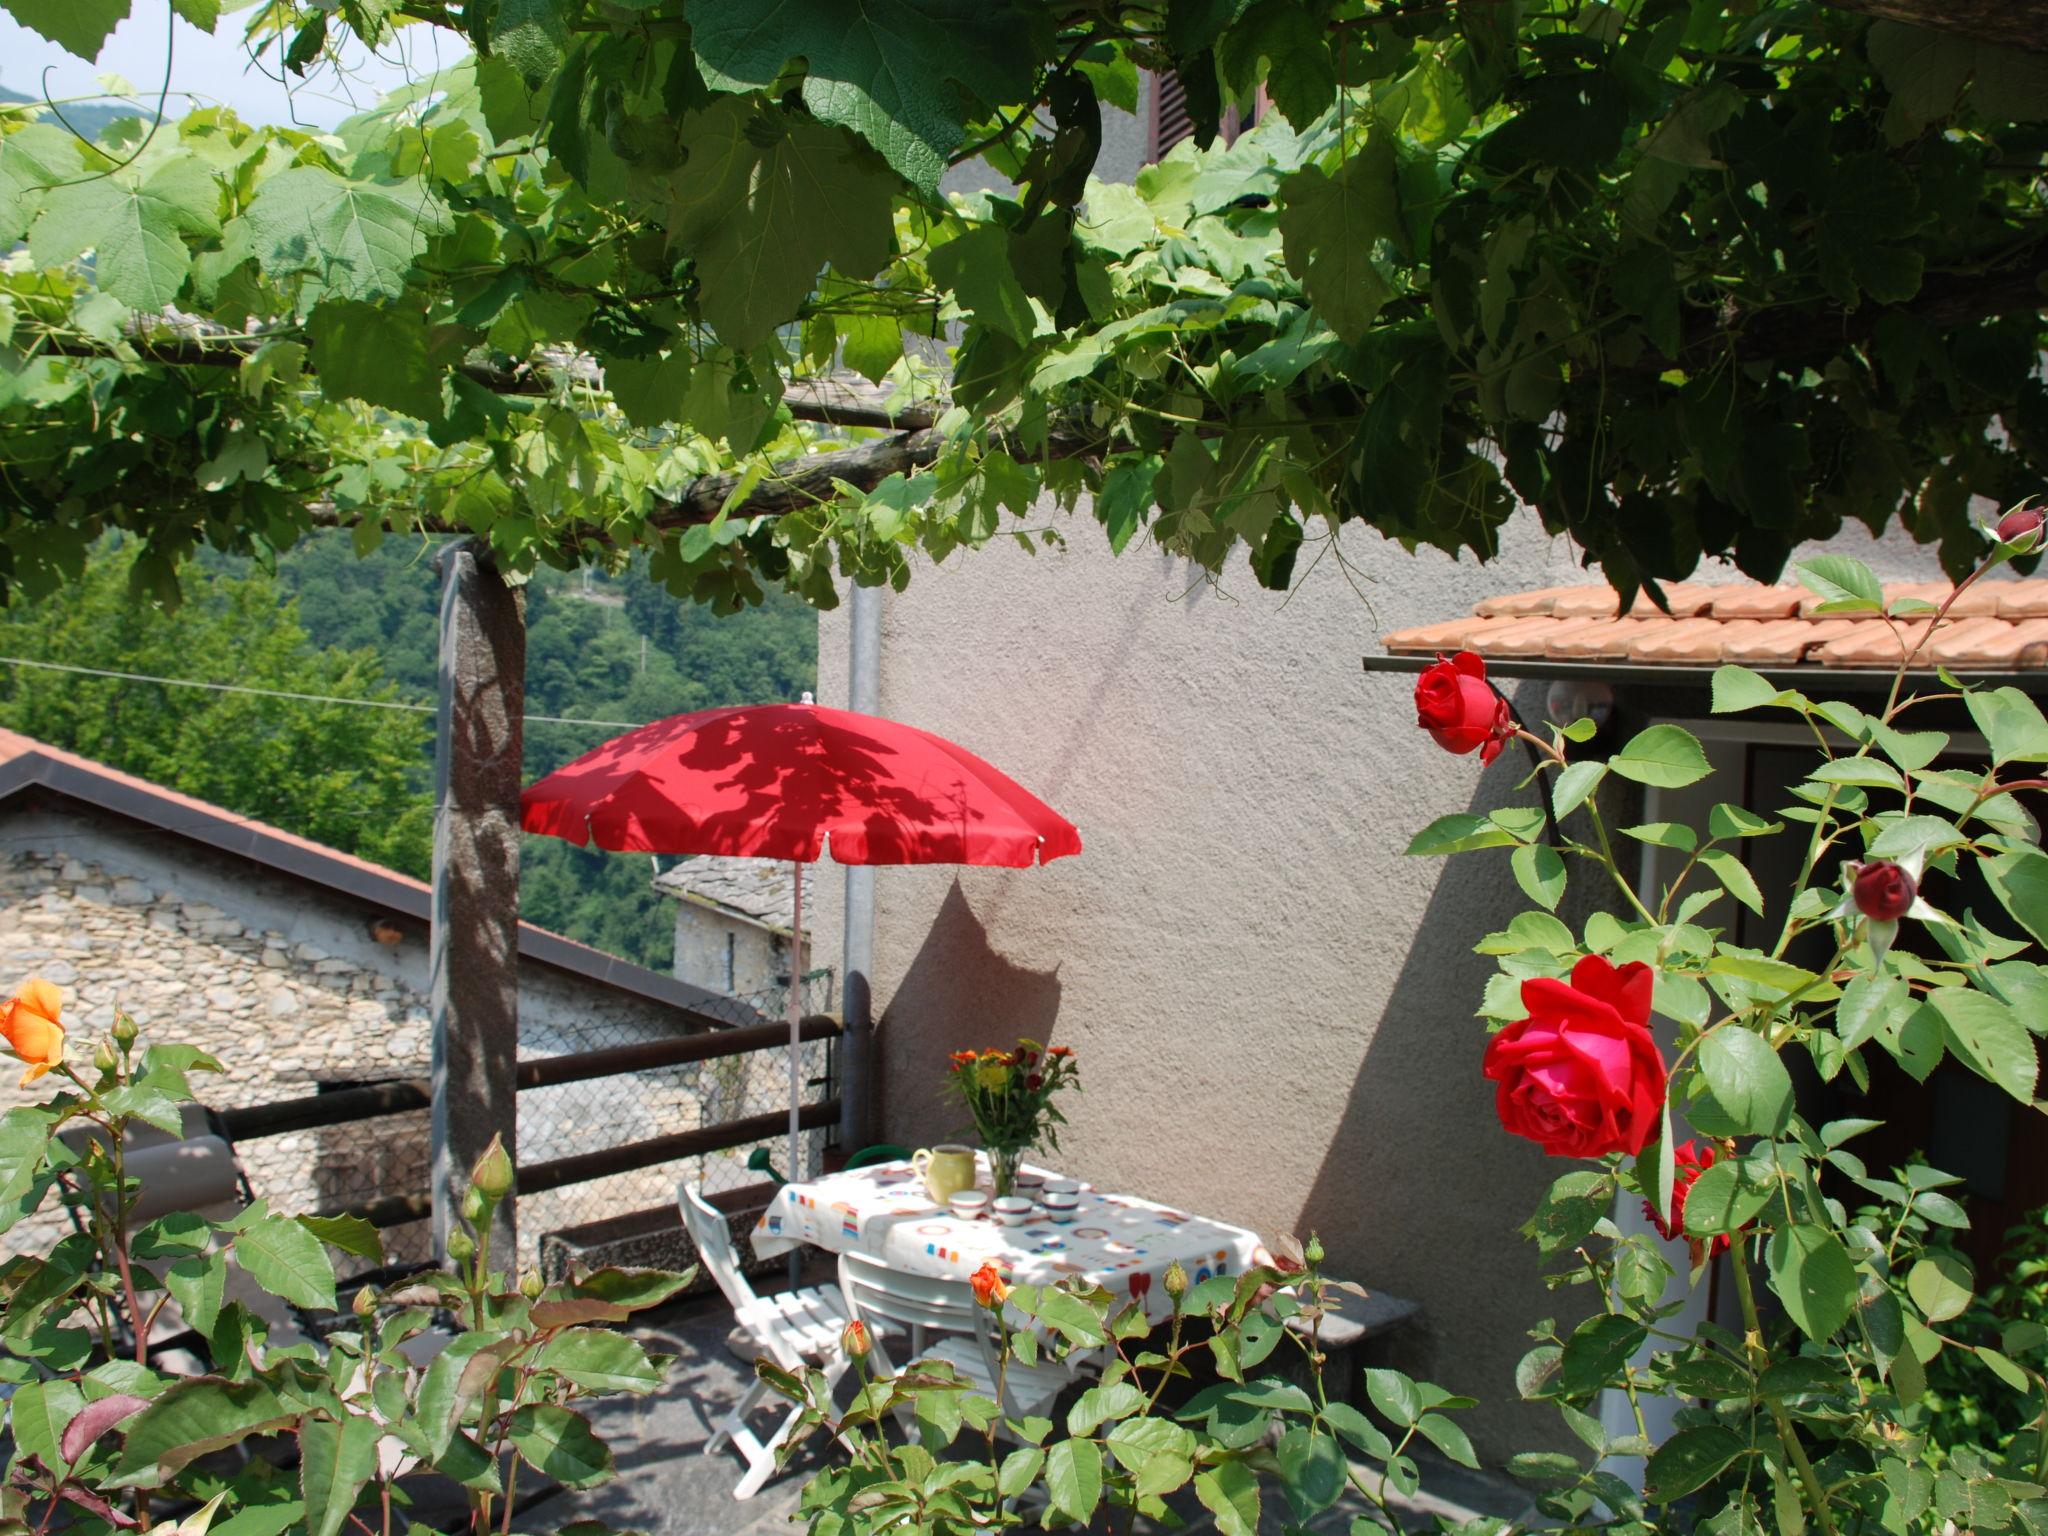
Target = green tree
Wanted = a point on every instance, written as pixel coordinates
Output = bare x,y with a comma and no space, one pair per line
346,774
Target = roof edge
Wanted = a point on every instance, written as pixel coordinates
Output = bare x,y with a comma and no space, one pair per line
1805,678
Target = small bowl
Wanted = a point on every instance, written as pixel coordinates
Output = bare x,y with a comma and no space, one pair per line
1011,1210
1059,1216
968,1204
1055,1189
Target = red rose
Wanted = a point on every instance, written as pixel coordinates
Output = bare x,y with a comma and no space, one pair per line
1883,891
989,1287
1460,710
1581,1075
1688,1162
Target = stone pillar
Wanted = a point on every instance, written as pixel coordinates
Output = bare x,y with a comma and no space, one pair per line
474,974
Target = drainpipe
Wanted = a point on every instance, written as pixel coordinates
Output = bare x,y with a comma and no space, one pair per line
864,695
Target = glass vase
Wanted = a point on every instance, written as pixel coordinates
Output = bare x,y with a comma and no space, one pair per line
1002,1168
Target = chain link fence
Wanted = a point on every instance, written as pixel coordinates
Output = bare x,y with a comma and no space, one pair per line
356,1163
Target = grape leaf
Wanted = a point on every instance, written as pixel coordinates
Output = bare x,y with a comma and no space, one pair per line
351,239
77,26
884,68
135,229
1328,228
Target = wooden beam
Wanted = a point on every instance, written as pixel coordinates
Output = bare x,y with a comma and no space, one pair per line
2008,23
473,977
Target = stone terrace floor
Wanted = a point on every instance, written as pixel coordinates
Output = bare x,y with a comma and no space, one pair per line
668,1487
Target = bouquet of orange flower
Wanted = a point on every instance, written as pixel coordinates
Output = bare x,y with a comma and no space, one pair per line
1009,1095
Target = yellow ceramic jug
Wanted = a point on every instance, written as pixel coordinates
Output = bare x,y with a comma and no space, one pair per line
946,1169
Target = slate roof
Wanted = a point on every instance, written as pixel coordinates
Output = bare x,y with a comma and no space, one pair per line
759,891
1996,625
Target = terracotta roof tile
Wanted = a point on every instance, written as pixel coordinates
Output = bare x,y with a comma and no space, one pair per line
1515,605
1756,602
1783,642
1999,624
2021,599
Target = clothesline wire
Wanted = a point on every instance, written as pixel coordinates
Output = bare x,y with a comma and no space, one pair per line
405,706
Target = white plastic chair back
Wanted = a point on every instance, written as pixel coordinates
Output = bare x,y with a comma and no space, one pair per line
875,1293
706,1224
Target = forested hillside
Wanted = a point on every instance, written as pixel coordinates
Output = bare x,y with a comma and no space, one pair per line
358,776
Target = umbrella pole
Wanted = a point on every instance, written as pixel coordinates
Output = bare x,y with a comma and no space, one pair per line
796,1048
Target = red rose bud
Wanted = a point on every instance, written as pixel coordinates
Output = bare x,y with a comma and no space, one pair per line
1580,1076
2020,524
855,1341
1460,710
1883,891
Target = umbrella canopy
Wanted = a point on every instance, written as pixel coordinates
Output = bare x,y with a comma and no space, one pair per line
789,781
785,781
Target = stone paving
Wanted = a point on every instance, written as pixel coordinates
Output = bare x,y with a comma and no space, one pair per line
668,1487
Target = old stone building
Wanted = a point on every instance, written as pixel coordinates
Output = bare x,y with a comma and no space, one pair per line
306,970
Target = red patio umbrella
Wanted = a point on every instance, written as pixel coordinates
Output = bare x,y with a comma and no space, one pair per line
790,781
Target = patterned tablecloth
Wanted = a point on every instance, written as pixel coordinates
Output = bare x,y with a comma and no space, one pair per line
1120,1242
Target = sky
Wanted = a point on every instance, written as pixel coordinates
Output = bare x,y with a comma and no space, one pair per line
218,68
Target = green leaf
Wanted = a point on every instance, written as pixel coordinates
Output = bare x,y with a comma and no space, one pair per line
1019,1471
530,36
598,1360
1726,822
37,1413
2005,1370
1575,784
338,1458
1126,497
1841,579
1447,1437
198,1286
1459,832
1230,1491
1734,875
1722,1200
1664,834
1540,872
77,26
1872,1006
2011,723
24,1140
1394,1395
650,390
1736,689
559,1444
1098,1405
349,239
1329,226
136,231
2020,881
766,200
975,267
1812,1275
191,1419
1864,772
1689,1459
1940,1284
285,1259
1597,1350
1748,1082
1073,1478
379,355
1666,756
890,70
1312,1470
1989,1038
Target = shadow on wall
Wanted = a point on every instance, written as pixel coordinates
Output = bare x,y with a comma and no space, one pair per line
958,993
1420,1192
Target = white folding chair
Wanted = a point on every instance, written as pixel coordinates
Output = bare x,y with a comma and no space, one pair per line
879,1296
795,1329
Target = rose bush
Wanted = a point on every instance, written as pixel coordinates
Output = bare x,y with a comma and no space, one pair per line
1813,1416
107,1434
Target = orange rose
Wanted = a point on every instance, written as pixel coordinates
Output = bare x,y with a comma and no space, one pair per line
989,1288
31,1027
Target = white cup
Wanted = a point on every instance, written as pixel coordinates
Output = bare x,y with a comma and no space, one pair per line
1070,1189
968,1204
1012,1210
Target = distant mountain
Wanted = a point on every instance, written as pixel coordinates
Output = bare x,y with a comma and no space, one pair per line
89,119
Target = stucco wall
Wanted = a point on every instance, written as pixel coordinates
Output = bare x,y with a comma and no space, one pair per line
705,936
1273,1009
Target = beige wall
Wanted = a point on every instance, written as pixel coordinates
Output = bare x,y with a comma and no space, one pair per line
1273,1009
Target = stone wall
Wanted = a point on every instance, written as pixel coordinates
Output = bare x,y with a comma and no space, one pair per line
295,986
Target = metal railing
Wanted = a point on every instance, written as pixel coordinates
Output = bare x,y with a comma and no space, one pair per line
364,1147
